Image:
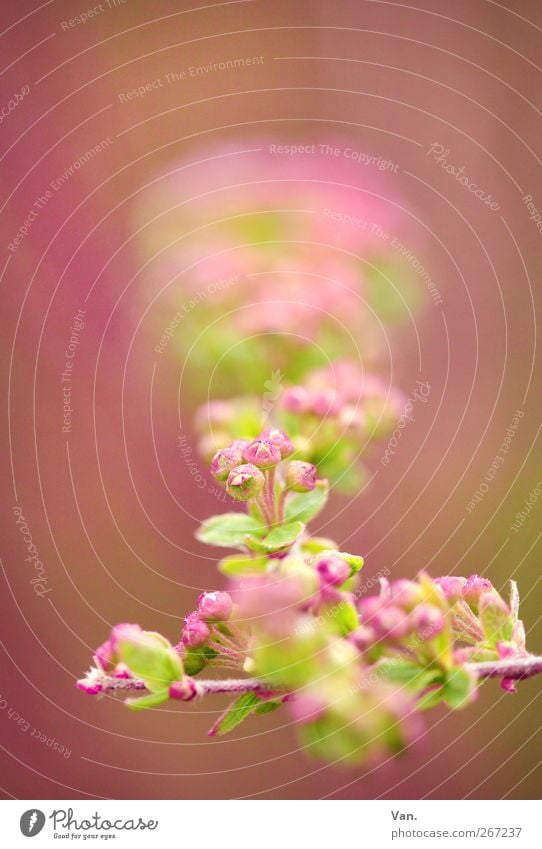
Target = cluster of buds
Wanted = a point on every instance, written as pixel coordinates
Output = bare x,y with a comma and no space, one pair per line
134,656
344,711
485,626
340,403
210,636
247,469
331,419
446,621
353,671
407,617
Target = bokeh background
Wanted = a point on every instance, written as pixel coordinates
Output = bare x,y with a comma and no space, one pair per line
111,505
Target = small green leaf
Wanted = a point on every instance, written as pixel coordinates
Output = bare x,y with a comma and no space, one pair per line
195,659
314,545
496,619
267,707
344,617
354,561
412,676
150,701
148,658
242,564
229,529
430,699
304,506
283,536
235,714
459,687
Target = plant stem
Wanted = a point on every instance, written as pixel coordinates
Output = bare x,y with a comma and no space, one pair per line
515,667
203,687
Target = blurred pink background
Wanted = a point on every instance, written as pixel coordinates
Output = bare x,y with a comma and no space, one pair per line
111,506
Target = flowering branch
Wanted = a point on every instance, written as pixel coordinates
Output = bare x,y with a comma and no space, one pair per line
517,668
350,669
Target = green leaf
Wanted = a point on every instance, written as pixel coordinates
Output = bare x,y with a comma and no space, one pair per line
267,707
242,564
148,658
304,506
344,617
314,545
354,561
430,699
195,659
413,677
229,529
496,619
236,713
283,536
459,687
150,701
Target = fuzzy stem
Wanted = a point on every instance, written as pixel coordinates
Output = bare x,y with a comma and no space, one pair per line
270,493
515,668
203,688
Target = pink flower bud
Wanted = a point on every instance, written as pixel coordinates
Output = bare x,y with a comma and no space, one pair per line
224,461
474,588
214,607
300,476
195,631
185,690
363,637
391,622
121,671
405,593
262,453
124,631
295,400
91,688
326,403
369,608
212,414
427,620
452,587
245,482
305,707
506,649
104,656
280,439
333,570
508,685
